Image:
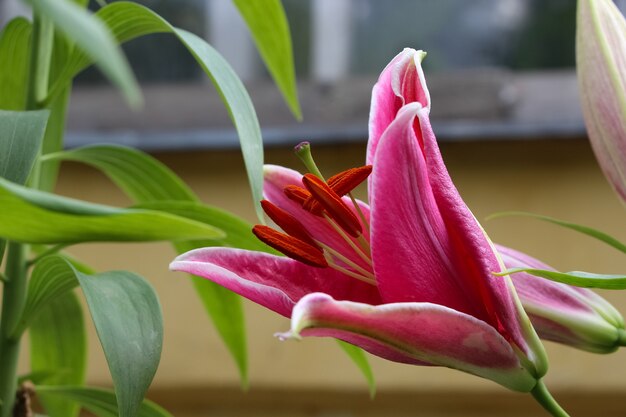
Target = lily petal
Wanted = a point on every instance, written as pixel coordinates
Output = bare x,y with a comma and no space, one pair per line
274,282
574,316
601,68
401,82
432,244
414,333
277,178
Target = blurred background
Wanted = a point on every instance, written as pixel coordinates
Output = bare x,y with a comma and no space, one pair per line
506,112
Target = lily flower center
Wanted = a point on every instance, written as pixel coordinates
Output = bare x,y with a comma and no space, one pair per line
324,199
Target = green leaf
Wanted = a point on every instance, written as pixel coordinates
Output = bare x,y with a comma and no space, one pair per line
58,346
596,234
15,59
238,231
360,360
127,315
52,277
95,40
36,217
100,402
154,186
140,176
575,278
270,30
21,134
130,20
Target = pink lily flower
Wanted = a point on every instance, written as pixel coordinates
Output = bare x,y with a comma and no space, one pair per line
409,279
601,68
573,316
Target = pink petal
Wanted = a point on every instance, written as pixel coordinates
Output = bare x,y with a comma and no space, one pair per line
574,316
414,333
601,67
424,238
277,178
272,281
400,83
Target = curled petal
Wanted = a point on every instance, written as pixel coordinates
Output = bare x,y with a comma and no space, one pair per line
400,83
272,281
414,333
574,316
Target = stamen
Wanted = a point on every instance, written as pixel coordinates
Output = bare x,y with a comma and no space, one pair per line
287,222
360,212
348,272
348,180
349,241
291,246
347,261
333,204
304,198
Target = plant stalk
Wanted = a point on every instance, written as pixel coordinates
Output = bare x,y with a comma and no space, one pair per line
15,286
13,300
543,397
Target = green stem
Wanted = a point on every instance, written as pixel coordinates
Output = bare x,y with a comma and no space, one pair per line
543,397
15,285
13,300
621,337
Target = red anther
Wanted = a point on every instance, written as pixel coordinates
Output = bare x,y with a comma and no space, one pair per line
304,198
291,246
348,180
333,204
288,223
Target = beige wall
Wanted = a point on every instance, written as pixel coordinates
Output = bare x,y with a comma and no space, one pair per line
557,178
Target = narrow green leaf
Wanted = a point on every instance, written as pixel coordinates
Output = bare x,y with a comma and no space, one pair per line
139,175
575,278
238,231
225,310
596,234
95,40
37,217
15,59
58,346
131,333
360,360
130,20
270,30
100,402
52,278
239,107
21,134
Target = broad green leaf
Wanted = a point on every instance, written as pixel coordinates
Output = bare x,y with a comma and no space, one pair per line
154,186
139,175
360,360
52,277
126,312
15,59
37,217
270,30
58,346
21,134
130,20
596,234
100,402
94,39
575,278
